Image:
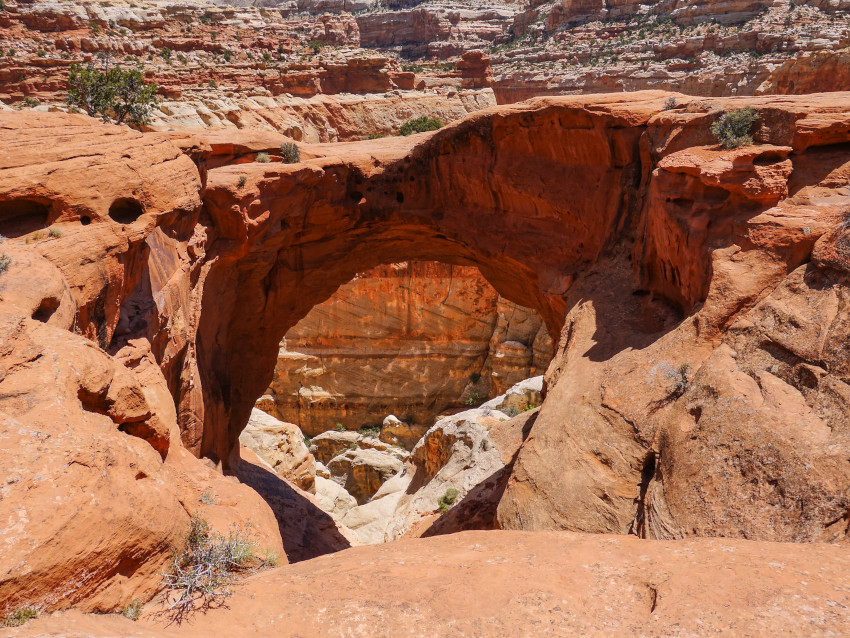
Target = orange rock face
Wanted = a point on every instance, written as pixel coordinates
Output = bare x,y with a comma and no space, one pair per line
558,582
700,385
409,339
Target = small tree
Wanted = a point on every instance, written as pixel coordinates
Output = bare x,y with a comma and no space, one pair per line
732,129
111,94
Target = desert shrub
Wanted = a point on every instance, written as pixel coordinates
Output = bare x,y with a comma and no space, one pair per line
116,94
420,125
31,102
473,398
446,501
133,610
201,575
207,498
41,53
241,181
54,232
227,54
212,84
290,153
370,430
511,411
339,427
670,103
19,617
271,559
679,381
307,441
2,5
165,54
316,46
263,158
732,128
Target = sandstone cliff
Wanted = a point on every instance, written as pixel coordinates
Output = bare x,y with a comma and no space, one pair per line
408,339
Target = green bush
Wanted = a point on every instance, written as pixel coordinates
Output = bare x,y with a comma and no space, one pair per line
5,262
116,94
202,574
732,129
339,427
133,610
241,181
420,125
290,153
263,158
370,430
446,501
19,617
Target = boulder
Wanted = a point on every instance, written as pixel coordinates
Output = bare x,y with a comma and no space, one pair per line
362,471
281,445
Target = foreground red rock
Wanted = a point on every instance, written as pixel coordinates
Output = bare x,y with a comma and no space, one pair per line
524,584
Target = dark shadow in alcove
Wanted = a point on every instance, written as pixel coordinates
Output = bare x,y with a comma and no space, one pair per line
125,210
306,530
20,217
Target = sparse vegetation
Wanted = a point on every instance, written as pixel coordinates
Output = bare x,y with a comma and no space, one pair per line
263,158
54,232
165,54
420,125
31,102
670,103
202,574
241,181
113,93
290,153
207,498
446,501
373,431
473,398
227,54
271,559
307,441
19,617
339,427
133,610
732,128
316,46
679,381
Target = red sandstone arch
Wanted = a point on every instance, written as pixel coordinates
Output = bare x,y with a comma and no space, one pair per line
530,202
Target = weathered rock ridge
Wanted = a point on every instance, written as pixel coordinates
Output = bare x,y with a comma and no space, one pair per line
409,339
700,386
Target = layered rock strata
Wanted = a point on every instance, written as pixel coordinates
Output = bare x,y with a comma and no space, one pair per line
409,339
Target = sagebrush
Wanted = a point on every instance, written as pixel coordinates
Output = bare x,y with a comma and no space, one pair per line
732,129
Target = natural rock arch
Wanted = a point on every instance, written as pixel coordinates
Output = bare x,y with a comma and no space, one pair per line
541,207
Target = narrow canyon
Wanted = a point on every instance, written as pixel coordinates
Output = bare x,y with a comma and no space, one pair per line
379,318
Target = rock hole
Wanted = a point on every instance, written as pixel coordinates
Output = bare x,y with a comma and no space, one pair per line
45,309
399,197
696,412
85,220
356,196
22,216
125,210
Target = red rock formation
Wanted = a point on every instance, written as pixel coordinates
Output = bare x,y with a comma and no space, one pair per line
642,244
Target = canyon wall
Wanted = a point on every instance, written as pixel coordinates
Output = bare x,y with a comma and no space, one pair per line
408,339
699,386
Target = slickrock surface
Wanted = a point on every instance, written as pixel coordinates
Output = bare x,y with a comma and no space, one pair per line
160,273
521,583
409,339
